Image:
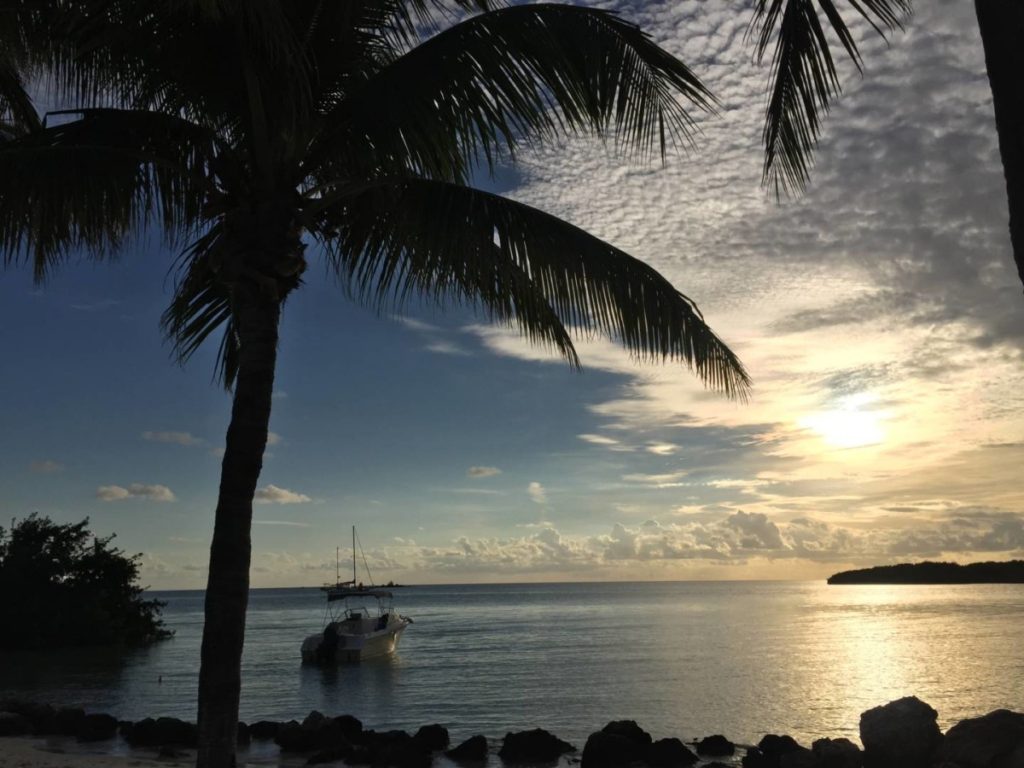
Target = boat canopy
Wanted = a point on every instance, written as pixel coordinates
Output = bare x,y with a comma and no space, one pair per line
334,593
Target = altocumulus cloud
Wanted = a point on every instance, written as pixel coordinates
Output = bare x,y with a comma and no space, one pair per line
482,472
46,466
537,493
177,438
272,494
134,491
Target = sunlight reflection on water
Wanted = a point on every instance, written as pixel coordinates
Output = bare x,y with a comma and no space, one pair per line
684,659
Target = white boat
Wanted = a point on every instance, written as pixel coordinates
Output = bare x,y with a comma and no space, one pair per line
352,630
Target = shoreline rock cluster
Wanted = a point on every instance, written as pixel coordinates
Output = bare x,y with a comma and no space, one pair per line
901,734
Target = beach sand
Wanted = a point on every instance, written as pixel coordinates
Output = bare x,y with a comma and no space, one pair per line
29,752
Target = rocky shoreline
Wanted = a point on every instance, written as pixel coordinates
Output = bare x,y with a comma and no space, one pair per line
900,734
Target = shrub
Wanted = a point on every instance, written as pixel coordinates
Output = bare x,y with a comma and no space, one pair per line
60,585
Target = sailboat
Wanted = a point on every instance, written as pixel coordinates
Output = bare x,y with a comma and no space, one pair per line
352,632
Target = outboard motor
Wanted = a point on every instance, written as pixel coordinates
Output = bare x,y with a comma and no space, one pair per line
328,649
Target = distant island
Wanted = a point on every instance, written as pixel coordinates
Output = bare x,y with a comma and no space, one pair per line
1008,572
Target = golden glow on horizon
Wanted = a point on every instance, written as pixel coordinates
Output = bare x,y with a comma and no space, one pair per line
853,424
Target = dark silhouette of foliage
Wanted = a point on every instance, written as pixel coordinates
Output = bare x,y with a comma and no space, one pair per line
928,572
61,586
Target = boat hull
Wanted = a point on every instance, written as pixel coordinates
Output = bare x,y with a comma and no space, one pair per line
350,648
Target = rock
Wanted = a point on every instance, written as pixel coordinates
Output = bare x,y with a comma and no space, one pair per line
292,737
317,732
40,715
536,746
66,720
336,732
900,734
985,742
97,728
164,731
754,758
314,720
472,750
398,749
396,736
670,753
838,753
360,756
801,757
715,746
433,737
331,755
620,742
349,727
264,730
770,750
13,724
773,747
630,730
611,750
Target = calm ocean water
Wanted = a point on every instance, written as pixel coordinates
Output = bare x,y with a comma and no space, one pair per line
683,659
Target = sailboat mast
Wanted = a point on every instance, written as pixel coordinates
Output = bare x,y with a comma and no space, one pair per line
354,556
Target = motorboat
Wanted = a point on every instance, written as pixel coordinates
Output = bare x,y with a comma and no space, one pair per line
359,623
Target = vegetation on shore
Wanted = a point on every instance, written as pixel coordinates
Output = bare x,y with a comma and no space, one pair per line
1008,572
62,586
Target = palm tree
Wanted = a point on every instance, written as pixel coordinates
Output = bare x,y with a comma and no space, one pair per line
804,81
248,131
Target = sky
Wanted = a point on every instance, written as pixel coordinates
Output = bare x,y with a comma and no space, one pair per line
879,315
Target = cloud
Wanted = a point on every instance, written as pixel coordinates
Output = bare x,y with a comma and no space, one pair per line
178,438
598,439
46,466
273,438
272,494
436,339
482,472
443,347
661,449
732,538
287,523
134,491
537,493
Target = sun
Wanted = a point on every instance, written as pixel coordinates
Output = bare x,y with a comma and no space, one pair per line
853,423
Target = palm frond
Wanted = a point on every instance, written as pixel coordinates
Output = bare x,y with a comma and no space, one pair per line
804,78
91,182
201,306
187,59
17,112
517,264
525,72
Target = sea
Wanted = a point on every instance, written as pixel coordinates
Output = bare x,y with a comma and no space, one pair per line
683,659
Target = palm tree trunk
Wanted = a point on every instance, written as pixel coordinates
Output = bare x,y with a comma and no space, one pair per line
256,312
1002,34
